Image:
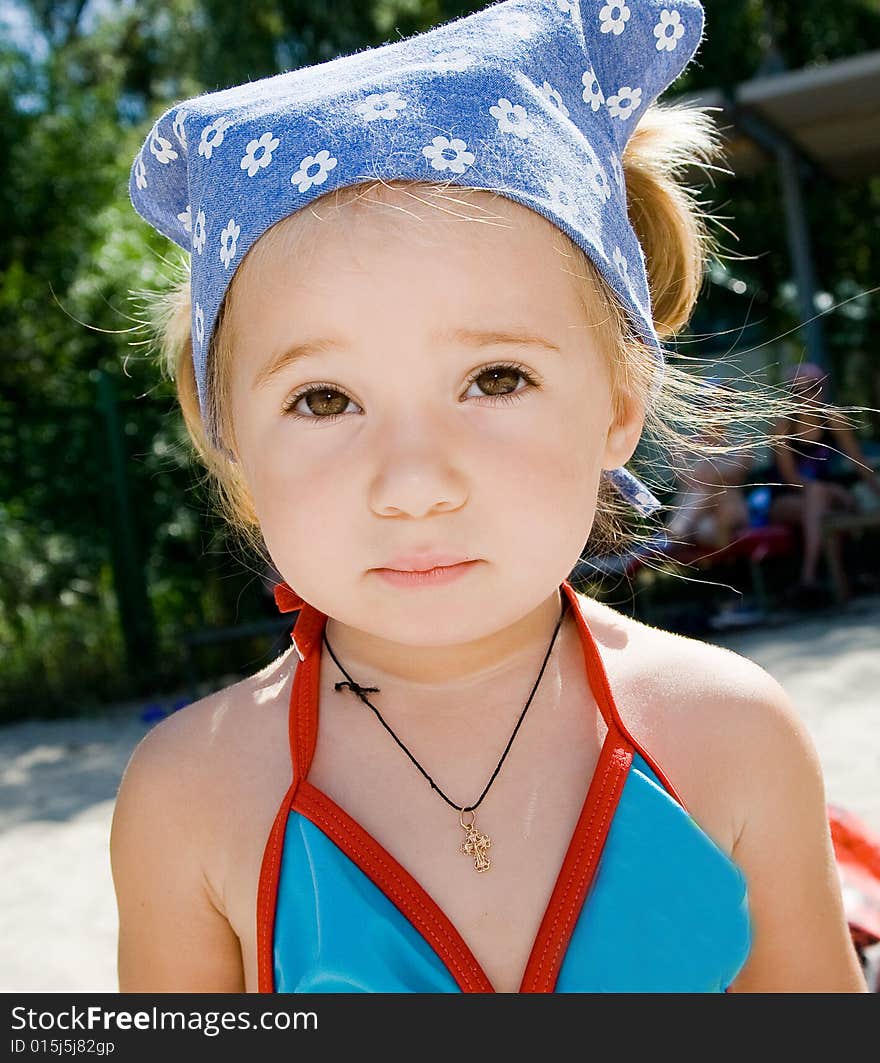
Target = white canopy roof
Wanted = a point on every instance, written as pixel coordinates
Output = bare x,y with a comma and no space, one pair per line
831,113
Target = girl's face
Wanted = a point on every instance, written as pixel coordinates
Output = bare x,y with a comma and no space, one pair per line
438,387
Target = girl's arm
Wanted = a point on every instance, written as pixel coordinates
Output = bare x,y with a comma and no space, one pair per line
172,936
801,941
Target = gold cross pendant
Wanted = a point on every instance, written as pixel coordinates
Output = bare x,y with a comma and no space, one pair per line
475,844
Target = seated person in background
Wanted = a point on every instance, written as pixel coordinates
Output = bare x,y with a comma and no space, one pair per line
807,492
710,507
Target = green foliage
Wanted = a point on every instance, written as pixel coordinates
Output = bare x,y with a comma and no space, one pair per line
76,100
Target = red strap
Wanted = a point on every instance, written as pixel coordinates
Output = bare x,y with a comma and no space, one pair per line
578,869
302,736
309,626
286,598
575,877
598,679
267,892
396,883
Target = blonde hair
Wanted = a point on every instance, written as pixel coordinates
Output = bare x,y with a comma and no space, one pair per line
687,415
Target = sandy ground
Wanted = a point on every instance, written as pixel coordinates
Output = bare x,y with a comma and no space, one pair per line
58,782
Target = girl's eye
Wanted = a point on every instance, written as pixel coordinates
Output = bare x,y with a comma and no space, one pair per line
327,403
501,381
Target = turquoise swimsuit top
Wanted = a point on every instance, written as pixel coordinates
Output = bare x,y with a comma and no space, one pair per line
645,900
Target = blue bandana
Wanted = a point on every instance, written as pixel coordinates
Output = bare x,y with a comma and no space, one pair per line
532,99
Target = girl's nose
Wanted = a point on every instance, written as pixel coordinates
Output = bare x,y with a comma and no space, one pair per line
416,473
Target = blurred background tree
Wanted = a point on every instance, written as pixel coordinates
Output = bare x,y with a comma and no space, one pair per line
80,84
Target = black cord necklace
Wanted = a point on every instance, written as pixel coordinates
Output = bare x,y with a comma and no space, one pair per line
476,843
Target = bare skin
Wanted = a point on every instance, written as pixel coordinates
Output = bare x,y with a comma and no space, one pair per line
450,392
712,503
812,500
202,790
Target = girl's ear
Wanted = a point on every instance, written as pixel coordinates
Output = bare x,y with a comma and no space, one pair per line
624,432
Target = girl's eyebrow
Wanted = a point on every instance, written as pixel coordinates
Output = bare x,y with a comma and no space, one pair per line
469,337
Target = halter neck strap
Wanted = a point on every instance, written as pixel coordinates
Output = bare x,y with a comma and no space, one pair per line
306,636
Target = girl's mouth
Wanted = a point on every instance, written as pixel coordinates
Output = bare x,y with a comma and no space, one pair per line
433,577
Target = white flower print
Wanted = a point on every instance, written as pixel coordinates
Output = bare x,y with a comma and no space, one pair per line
617,170
621,263
267,143
228,240
590,231
565,6
177,126
380,105
161,148
613,18
457,59
325,163
668,31
140,173
553,96
564,203
633,490
185,218
439,145
645,502
518,22
592,93
199,232
642,498
561,198
634,288
598,179
512,118
212,136
624,102
200,324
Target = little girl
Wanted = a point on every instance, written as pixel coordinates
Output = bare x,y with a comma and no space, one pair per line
419,340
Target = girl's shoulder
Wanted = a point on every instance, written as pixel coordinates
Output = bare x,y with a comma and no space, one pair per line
716,723
194,807
219,760
234,725
674,672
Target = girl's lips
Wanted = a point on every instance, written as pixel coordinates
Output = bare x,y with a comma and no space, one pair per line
434,577
423,560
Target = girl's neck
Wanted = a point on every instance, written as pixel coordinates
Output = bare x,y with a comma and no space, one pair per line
449,670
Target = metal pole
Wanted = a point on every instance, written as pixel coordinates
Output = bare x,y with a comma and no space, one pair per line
801,254
789,163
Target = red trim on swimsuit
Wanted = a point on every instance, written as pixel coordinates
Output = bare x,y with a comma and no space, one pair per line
602,692
267,894
396,883
578,867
